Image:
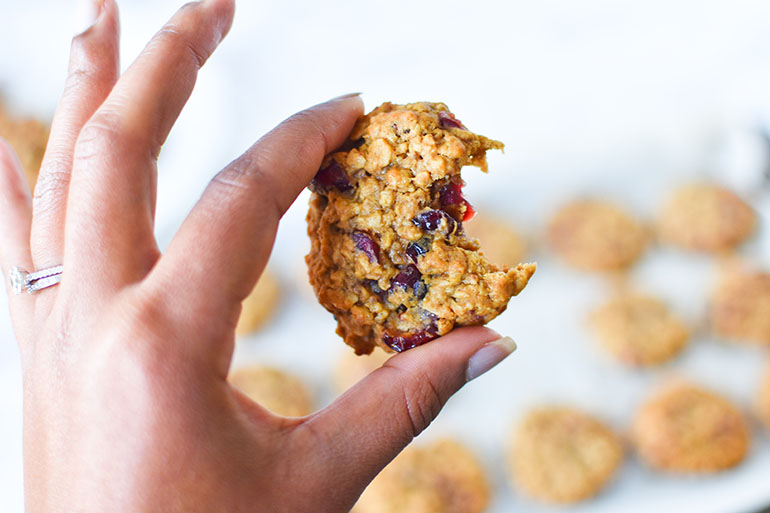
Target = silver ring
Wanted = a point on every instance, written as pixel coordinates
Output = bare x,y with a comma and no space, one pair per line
38,280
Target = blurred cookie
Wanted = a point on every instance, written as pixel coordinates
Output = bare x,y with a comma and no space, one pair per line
740,307
706,217
639,330
596,235
685,428
258,306
562,455
499,241
352,368
28,137
443,477
276,390
763,399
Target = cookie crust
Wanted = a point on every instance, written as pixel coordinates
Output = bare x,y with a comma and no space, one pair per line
562,455
259,305
443,477
706,217
389,256
639,330
684,428
594,235
276,390
740,307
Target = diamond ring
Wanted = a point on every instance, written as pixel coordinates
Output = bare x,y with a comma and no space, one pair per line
21,279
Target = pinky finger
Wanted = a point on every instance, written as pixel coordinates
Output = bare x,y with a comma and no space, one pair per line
15,220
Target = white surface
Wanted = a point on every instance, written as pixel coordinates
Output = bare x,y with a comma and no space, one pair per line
622,100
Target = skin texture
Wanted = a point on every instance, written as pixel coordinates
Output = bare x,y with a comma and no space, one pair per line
126,402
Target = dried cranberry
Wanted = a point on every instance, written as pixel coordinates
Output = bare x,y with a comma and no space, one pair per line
415,249
448,120
402,341
331,177
451,198
430,221
365,243
407,278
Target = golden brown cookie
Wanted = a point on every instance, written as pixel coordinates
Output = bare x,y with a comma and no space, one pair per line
740,306
352,368
596,235
639,330
28,137
763,399
706,217
276,390
389,256
562,455
259,305
685,428
499,241
443,477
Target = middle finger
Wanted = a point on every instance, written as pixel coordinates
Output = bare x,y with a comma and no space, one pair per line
111,203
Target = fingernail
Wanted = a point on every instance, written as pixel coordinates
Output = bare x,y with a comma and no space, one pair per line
86,14
488,356
346,96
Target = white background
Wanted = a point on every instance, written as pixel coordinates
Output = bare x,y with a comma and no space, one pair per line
619,99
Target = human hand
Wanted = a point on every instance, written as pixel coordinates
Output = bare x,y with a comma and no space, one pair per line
126,403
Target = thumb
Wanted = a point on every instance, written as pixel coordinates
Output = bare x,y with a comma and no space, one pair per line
374,420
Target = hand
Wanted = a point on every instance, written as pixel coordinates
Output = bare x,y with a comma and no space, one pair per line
126,403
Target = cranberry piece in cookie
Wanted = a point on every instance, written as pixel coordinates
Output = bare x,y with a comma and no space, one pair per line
365,243
331,177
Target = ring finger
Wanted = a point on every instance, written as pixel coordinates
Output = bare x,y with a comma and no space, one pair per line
93,71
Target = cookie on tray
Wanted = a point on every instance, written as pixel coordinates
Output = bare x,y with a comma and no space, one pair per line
684,428
740,306
259,305
500,242
352,368
389,256
639,330
706,217
276,390
595,235
442,477
562,455
28,137
763,399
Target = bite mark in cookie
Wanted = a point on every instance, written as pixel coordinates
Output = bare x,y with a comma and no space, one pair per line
389,256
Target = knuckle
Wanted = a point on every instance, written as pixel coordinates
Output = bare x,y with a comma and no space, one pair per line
50,188
176,40
422,401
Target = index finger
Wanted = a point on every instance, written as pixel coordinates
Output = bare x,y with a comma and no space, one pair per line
224,243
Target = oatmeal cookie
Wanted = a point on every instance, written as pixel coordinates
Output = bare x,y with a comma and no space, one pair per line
389,256
352,368
763,399
685,428
740,306
562,455
259,305
706,217
499,241
276,390
639,330
444,477
595,235
28,137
